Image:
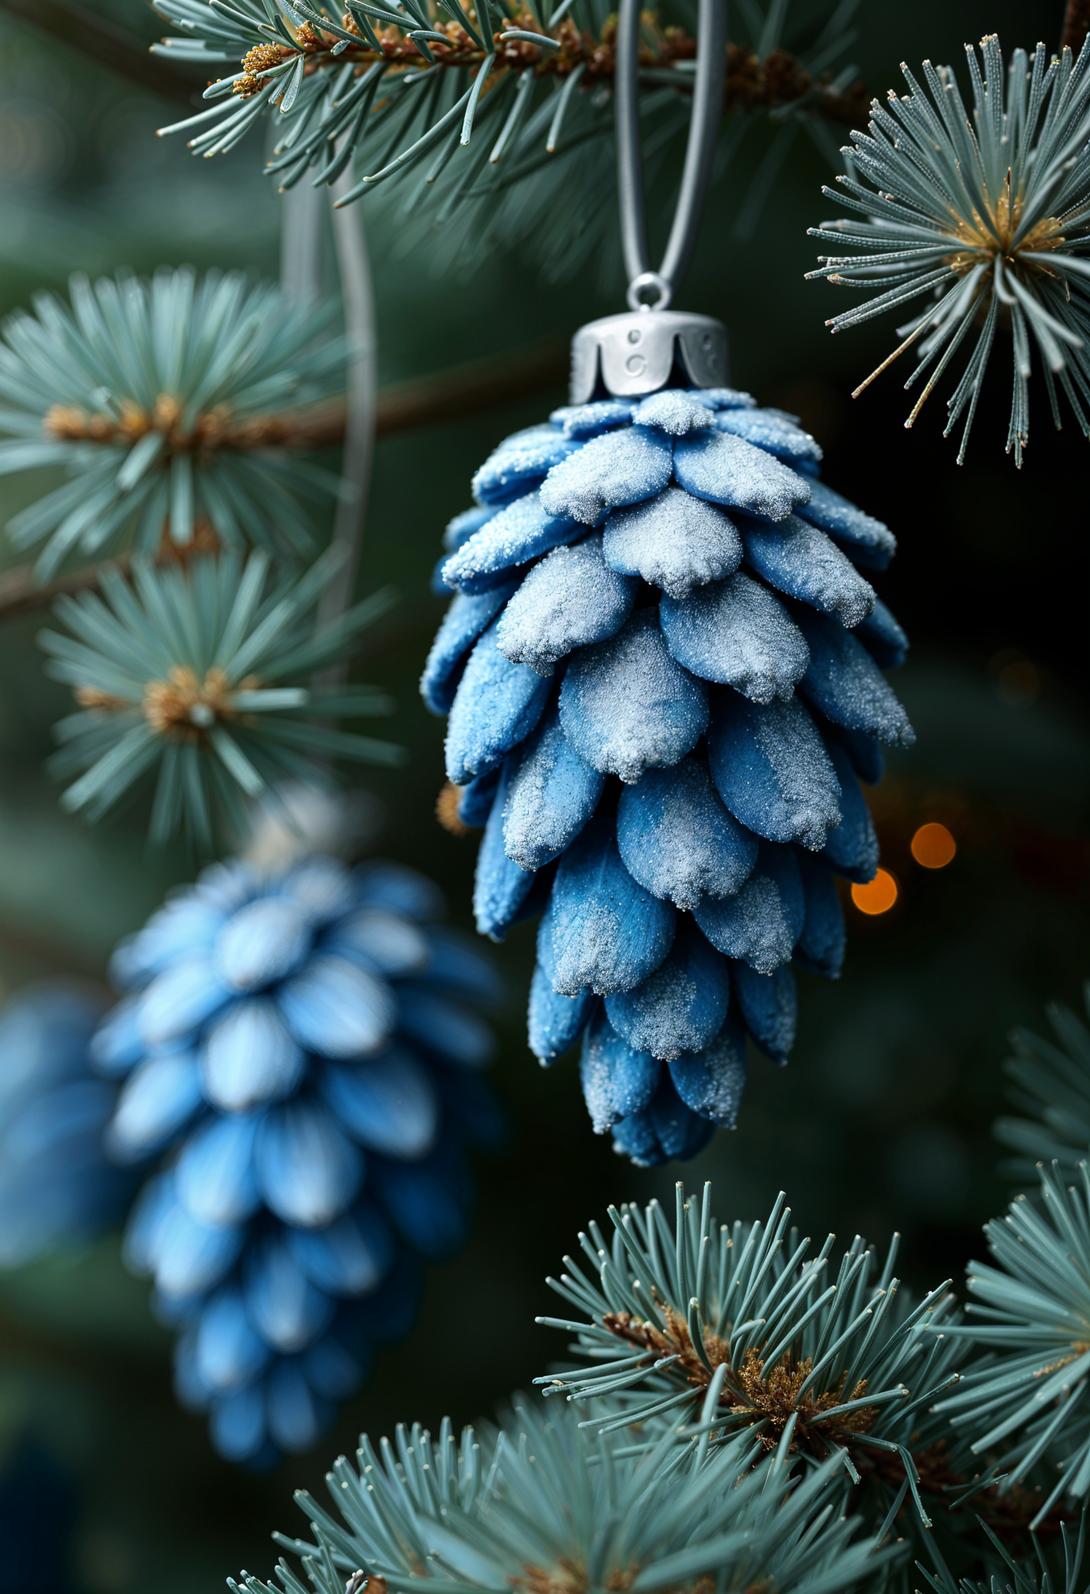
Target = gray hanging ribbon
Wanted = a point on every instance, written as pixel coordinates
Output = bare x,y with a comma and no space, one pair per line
647,287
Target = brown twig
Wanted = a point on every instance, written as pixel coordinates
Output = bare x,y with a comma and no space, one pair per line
404,407
777,81
1076,24
20,592
102,42
211,432
781,1396
471,388
752,84
772,1397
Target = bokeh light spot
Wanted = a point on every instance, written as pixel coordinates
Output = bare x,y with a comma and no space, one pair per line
878,895
933,846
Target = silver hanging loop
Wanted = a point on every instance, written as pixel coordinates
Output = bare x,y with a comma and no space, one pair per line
653,346
649,291
704,121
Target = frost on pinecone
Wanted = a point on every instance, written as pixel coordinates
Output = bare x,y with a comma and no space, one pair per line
662,668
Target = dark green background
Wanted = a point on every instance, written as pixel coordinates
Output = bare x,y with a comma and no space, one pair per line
883,1119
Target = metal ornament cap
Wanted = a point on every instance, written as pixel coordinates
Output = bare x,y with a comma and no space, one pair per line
644,350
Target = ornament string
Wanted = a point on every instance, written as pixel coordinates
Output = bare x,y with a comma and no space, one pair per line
301,244
361,414
649,288
301,259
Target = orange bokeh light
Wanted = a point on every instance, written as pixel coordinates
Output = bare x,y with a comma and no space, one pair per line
933,846
878,895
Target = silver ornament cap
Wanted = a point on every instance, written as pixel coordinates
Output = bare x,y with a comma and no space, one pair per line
644,350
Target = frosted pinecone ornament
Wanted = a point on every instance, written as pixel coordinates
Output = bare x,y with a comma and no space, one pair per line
663,675
58,1188
298,1049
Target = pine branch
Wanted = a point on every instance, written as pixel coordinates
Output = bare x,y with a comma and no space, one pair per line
754,1397
735,1327
209,706
487,127
1051,1095
919,240
209,432
778,82
20,593
100,41
1076,24
470,388
403,407
532,1506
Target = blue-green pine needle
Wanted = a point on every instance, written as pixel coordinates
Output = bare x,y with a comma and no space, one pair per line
543,1506
1051,1090
1025,1399
178,410
1050,1569
786,1337
479,128
198,678
978,208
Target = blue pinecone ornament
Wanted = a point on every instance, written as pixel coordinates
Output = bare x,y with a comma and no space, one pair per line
300,1052
58,1188
662,671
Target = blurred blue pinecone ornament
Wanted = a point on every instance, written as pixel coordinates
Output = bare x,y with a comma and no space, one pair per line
58,1187
663,671
300,1052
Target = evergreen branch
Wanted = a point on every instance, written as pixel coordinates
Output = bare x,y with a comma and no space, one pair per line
743,1327
1026,1398
402,407
1040,1573
543,1507
100,41
1051,1090
749,1312
22,593
466,119
168,405
170,436
203,434
479,385
779,82
192,676
749,1367
980,217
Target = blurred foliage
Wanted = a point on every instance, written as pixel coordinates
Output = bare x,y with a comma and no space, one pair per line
884,1118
